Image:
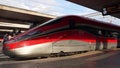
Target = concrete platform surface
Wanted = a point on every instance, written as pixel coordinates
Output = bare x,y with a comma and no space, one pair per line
94,59
0,48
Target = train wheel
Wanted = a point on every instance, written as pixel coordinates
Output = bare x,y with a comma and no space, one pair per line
61,53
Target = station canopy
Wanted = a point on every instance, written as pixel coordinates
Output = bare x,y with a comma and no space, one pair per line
111,7
17,18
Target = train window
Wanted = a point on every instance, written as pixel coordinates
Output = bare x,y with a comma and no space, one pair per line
89,29
29,35
115,34
33,33
108,33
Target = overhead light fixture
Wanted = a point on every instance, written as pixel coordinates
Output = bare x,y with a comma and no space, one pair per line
111,9
14,25
7,30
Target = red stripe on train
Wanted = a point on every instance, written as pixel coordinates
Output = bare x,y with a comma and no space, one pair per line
59,36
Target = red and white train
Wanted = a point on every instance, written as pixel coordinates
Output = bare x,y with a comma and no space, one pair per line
64,34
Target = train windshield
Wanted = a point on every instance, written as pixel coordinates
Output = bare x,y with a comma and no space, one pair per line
36,30
29,35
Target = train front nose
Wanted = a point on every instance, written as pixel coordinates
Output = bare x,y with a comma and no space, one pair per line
6,50
17,50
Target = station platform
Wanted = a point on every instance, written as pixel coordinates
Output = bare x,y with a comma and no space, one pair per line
93,59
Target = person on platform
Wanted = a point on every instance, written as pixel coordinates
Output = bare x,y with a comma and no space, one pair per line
19,31
5,38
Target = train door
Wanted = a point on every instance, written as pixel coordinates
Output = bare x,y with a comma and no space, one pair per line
106,40
101,41
118,41
98,42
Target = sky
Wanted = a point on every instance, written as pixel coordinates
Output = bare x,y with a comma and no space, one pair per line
54,7
57,8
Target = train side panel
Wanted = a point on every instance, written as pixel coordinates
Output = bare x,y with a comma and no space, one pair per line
75,40
112,43
70,46
32,51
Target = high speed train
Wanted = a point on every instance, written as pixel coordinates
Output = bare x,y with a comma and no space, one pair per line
64,34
